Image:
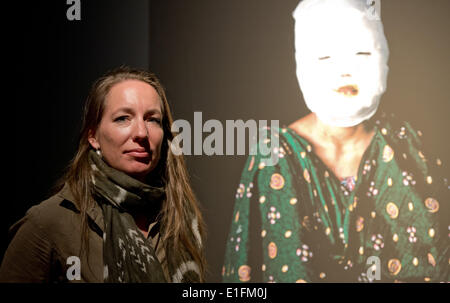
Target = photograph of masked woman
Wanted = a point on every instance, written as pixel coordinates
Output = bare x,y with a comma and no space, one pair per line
125,206
355,195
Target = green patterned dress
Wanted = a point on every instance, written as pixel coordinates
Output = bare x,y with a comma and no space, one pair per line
297,222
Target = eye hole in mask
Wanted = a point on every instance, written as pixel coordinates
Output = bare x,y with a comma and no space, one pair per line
358,54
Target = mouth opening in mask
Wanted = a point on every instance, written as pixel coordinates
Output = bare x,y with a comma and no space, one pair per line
348,90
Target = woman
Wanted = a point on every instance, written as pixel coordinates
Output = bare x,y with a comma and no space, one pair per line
126,209
354,196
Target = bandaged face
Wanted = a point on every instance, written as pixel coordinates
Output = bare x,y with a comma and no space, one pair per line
341,57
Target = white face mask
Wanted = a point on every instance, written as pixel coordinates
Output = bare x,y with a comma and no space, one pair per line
341,58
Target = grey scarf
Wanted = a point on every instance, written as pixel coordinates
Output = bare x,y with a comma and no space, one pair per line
127,255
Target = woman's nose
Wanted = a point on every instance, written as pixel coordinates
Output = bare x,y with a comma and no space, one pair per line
140,131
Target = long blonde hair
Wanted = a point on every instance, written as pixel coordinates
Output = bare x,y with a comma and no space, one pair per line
180,205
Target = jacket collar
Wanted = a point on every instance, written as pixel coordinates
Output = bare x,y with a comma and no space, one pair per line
95,212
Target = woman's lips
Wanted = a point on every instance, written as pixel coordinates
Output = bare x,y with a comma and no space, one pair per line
348,90
138,153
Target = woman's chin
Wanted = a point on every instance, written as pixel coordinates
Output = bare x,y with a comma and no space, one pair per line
139,171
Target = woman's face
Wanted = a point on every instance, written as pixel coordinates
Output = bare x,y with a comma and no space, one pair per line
342,67
348,70
130,133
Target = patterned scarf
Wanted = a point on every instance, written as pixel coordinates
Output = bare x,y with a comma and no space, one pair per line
128,256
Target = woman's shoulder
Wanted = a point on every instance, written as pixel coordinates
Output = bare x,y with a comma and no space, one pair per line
50,214
296,133
275,145
397,130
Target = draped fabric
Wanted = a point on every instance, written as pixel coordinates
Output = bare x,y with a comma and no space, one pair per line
297,222
127,255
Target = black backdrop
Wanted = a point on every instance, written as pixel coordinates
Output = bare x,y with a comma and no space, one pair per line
53,62
229,59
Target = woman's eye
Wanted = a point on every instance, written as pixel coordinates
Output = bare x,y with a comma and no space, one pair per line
121,119
156,120
364,53
324,58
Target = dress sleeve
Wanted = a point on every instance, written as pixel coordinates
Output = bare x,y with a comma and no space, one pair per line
265,229
425,253
433,183
28,256
238,246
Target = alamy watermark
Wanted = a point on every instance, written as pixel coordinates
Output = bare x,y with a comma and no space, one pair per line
374,271
74,10
263,139
74,270
373,10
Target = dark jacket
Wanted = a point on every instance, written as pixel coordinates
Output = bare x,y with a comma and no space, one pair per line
48,235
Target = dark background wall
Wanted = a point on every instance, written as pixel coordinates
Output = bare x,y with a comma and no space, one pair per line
229,59
54,62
